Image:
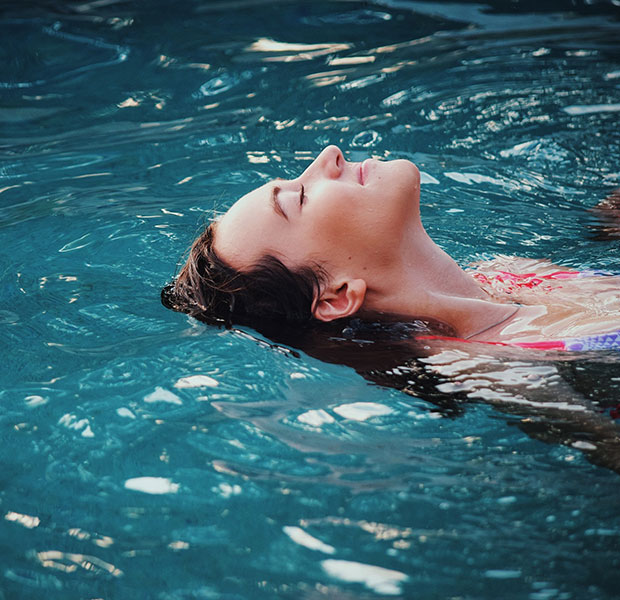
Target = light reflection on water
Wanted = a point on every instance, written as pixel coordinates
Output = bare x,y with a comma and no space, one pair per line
147,455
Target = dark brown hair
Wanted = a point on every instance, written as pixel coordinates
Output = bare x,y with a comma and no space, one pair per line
212,291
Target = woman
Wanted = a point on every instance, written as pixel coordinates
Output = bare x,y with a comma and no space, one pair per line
346,239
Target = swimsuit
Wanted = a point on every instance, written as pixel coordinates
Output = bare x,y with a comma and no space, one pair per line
509,282
601,341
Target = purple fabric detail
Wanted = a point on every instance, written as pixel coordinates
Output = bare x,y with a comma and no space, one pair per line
595,273
605,341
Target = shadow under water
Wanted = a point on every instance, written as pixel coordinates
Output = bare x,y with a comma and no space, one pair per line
555,397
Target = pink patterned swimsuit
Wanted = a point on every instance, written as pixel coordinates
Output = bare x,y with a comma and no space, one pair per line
510,282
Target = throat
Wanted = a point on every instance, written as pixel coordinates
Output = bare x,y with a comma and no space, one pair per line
424,282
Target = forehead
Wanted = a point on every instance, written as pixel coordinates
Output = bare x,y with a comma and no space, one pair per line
240,232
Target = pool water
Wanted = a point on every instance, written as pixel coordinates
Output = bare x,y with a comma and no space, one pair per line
146,455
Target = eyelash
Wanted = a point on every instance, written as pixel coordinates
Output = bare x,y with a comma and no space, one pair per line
302,196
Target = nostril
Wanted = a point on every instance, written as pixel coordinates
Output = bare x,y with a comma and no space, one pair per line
333,161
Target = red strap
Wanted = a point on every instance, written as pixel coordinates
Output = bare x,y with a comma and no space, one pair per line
550,345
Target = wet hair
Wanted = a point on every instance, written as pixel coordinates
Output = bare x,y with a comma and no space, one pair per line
211,290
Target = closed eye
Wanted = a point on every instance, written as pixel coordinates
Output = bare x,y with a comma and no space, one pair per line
302,196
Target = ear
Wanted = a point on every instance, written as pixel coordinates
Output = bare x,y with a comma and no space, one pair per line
338,301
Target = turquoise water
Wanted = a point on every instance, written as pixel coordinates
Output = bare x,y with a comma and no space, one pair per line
145,455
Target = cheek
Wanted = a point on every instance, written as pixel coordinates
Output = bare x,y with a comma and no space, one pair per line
342,235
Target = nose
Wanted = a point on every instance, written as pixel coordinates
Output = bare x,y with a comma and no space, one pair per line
329,163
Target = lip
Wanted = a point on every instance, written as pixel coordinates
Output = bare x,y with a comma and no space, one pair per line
364,170
360,173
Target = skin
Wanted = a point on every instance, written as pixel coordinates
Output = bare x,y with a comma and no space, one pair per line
361,222
345,219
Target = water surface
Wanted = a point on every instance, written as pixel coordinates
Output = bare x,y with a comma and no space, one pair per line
146,455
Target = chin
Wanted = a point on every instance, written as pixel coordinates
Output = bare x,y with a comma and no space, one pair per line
405,168
414,171
407,175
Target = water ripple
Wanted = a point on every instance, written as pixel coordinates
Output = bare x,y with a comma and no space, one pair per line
120,54
159,440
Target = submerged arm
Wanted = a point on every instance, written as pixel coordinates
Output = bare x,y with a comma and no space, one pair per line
550,408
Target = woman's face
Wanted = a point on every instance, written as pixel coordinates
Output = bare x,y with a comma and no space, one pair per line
341,215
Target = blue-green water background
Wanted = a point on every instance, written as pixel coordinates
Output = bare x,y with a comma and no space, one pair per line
123,126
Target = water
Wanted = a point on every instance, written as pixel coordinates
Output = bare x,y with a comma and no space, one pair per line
145,455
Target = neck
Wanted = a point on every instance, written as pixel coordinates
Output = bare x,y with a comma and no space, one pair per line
422,281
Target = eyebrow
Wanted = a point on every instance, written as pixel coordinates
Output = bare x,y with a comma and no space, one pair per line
275,190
